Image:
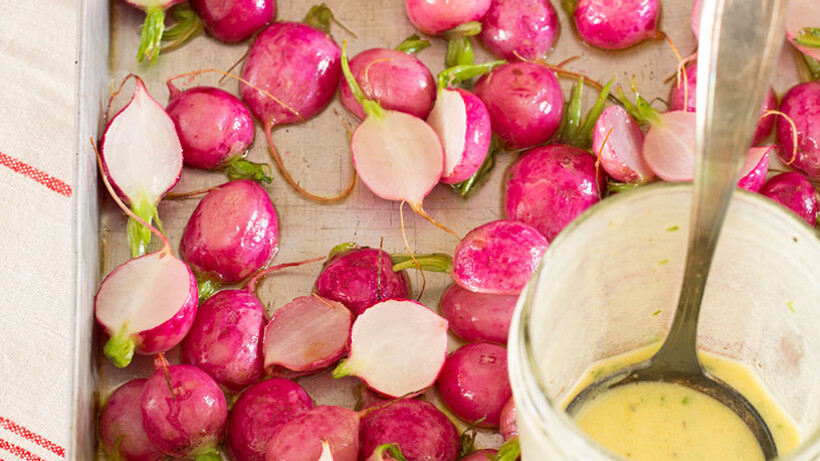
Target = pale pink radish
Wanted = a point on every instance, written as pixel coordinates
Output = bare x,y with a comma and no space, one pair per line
397,347
153,27
301,439
359,277
794,191
434,17
481,455
307,334
233,21
184,412
122,435
142,158
259,413
419,429
498,257
474,383
508,425
618,142
803,27
615,25
525,103
519,29
802,105
477,316
697,8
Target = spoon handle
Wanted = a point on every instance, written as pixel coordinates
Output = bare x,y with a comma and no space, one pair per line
739,43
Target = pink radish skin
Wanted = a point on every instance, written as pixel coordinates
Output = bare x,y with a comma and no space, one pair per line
802,14
184,412
121,433
301,438
754,179
481,455
519,29
802,104
353,278
474,383
396,80
213,126
226,339
434,17
462,123
549,186
477,316
498,257
307,334
620,155
259,413
616,25
508,425
234,21
233,232
397,347
525,103
794,191
422,431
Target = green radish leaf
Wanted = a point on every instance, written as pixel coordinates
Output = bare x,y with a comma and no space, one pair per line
413,44
433,262
151,35
584,134
809,36
188,25
641,110
468,29
510,451
240,168
455,75
459,52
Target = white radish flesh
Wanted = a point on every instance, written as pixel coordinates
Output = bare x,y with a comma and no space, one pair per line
449,120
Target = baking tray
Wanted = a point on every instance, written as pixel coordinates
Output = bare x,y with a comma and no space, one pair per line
318,156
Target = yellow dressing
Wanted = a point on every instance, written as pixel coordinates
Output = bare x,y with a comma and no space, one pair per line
661,421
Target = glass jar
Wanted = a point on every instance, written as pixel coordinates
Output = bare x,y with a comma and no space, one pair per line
609,284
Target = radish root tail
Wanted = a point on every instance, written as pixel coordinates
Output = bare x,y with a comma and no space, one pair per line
420,211
410,252
251,283
794,132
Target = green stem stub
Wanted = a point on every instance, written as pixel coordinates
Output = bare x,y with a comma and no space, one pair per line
139,236
459,51
809,36
569,6
641,110
392,449
319,17
510,451
208,454
240,168
471,185
413,44
455,75
151,35
433,262
207,288
341,370
371,108
813,66
576,129
341,248
120,349
188,25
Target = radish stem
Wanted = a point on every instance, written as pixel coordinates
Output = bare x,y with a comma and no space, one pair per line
120,348
435,262
151,34
413,44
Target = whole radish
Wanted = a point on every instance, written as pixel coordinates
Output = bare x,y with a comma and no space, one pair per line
477,316
225,340
142,158
234,21
184,412
395,79
508,425
618,142
233,232
397,347
301,438
794,191
474,383
122,435
519,29
153,27
481,455
434,17
524,101
259,413
498,257
549,186
802,104
418,428
615,25
307,334
359,277
803,27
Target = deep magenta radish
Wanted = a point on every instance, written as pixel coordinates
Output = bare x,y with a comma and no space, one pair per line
434,17
307,334
802,23
259,413
477,316
184,412
421,431
498,257
234,21
152,28
756,176
225,340
233,232
474,383
802,104
301,438
481,455
525,103
396,80
519,29
547,187
618,141
794,191
508,425
616,25
122,435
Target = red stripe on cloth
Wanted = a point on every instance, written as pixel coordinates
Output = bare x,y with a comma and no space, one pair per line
40,176
21,431
20,452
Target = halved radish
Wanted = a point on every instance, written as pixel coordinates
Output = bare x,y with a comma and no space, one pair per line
142,158
618,140
803,26
755,168
307,334
397,347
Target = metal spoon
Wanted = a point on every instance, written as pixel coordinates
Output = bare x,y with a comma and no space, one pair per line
739,42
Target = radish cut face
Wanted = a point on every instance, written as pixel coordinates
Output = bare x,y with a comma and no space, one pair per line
397,156
669,146
802,15
307,334
397,347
